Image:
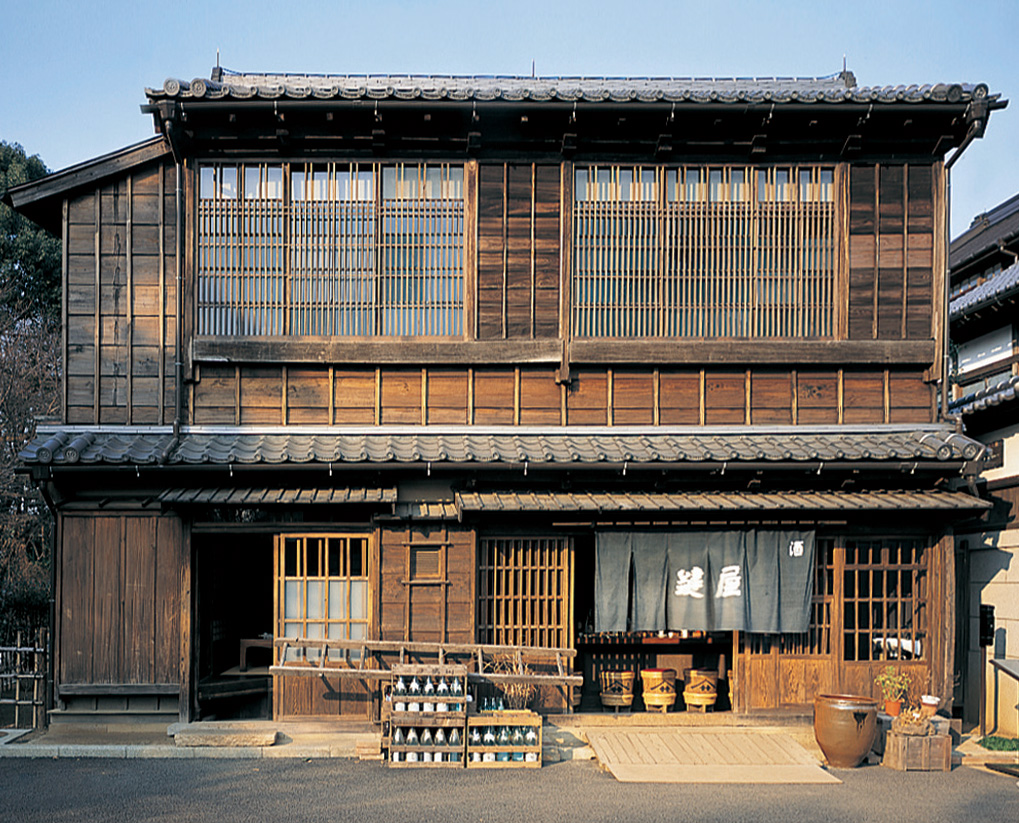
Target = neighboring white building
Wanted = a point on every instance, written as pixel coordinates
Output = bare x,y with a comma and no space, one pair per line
984,299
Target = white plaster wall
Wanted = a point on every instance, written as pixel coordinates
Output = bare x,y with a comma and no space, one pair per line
994,581
1010,436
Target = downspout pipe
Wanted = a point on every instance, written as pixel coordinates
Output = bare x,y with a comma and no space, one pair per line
978,123
170,130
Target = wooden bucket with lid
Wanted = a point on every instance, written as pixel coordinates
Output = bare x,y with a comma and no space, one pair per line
616,688
659,689
701,689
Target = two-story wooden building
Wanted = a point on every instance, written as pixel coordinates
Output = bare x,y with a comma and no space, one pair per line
646,368
984,292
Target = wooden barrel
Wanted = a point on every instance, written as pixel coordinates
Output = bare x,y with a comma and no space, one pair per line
659,689
701,689
616,688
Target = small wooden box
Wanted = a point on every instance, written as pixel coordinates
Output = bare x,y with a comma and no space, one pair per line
908,753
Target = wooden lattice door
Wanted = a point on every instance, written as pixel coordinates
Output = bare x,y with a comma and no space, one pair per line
773,670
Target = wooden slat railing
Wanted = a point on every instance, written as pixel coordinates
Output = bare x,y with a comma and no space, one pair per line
480,655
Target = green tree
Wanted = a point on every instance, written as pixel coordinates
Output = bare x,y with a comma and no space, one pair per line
30,373
29,255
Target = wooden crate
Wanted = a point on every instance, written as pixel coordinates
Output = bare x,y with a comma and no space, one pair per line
526,719
908,753
430,720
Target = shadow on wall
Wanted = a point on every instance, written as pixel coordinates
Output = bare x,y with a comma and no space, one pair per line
998,649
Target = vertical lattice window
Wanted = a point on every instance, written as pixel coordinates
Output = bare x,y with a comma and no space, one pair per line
885,586
331,249
422,227
817,640
524,592
241,258
703,252
322,589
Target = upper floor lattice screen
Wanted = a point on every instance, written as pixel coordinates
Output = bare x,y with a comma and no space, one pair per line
368,250
703,252
331,249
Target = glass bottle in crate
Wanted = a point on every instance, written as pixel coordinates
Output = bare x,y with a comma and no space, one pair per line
440,737
518,740
476,736
398,737
412,737
503,740
456,696
442,696
489,736
400,695
426,737
531,737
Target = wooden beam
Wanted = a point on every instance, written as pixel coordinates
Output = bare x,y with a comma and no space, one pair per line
116,689
656,352
161,314
470,330
372,351
129,308
64,219
97,314
741,352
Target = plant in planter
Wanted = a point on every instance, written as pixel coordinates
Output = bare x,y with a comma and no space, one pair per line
894,687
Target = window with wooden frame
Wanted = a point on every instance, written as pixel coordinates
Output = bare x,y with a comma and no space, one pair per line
703,252
525,591
885,592
331,249
322,589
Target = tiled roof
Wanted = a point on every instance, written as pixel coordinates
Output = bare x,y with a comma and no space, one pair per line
832,89
983,234
268,497
986,398
64,446
714,501
998,285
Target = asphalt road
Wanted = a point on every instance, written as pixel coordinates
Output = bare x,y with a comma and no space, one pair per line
344,790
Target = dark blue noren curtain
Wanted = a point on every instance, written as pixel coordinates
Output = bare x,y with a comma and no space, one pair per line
613,551
780,568
650,579
757,580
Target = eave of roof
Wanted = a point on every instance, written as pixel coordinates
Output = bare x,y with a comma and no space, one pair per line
31,198
576,446
838,88
998,286
1000,224
985,399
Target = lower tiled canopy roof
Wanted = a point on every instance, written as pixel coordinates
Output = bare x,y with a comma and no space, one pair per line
716,501
65,446
277,496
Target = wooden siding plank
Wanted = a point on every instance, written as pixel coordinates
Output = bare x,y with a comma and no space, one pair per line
138,629
107,637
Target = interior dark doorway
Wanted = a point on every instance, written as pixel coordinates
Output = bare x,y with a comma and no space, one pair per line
634,650
233,625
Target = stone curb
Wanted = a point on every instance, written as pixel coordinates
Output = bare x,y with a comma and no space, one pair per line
156,752
176,752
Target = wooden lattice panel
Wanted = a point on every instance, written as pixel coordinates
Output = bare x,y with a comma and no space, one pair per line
524,591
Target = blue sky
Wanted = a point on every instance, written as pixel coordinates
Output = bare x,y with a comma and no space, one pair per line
73,74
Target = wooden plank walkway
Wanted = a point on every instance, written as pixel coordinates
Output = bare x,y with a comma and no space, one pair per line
698,755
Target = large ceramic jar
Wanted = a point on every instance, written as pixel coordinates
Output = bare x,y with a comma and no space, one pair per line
845,726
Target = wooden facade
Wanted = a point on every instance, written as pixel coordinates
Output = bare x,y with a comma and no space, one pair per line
482,276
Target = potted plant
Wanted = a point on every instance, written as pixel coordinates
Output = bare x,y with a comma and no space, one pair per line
894,687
